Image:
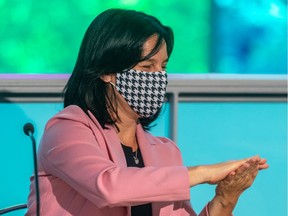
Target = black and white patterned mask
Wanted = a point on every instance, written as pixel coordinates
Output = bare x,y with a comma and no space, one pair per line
143,91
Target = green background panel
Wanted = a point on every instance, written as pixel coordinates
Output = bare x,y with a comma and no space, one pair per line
218,36
44,36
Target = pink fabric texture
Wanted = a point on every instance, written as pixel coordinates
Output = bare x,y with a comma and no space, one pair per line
82,171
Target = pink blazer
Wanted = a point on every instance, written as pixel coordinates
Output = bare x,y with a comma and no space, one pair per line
83,171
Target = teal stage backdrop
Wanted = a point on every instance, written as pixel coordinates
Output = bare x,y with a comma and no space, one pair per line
207,133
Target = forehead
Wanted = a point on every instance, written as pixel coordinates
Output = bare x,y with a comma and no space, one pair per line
150,44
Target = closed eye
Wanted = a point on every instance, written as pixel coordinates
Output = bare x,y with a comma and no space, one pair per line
147,66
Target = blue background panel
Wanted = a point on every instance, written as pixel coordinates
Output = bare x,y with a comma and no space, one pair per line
207,133
215,132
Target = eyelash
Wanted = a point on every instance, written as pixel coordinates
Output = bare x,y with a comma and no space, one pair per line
149,66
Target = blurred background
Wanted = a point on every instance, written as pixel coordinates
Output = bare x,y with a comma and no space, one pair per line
237,42
219,36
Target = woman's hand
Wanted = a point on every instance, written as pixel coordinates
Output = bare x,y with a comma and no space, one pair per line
229,189
236,182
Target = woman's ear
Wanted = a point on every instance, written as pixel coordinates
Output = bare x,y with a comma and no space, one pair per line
106,78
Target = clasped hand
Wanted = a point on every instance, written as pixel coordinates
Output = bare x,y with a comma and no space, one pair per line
237,180
242,178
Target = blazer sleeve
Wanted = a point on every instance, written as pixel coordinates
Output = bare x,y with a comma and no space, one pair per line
186,205
70,152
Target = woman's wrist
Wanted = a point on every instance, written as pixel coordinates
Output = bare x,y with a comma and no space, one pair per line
196,175
226,202
222,205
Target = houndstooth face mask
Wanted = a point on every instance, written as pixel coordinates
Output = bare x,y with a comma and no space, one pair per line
143,91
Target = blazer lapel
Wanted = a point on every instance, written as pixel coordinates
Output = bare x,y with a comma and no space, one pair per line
150,150
147,147
114,147
112,142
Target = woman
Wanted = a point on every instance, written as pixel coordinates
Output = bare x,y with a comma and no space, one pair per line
96,156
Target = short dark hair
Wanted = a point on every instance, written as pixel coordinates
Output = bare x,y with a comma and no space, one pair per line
113,42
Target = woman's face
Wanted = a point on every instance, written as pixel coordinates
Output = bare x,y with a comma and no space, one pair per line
157,62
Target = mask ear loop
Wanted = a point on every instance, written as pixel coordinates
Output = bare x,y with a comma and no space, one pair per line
112,84
112,108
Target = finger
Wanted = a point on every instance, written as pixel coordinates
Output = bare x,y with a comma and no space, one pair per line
228,178
263,161
253,167
253,164
248,176
253,161
255,158
247,171
242,168
264,166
